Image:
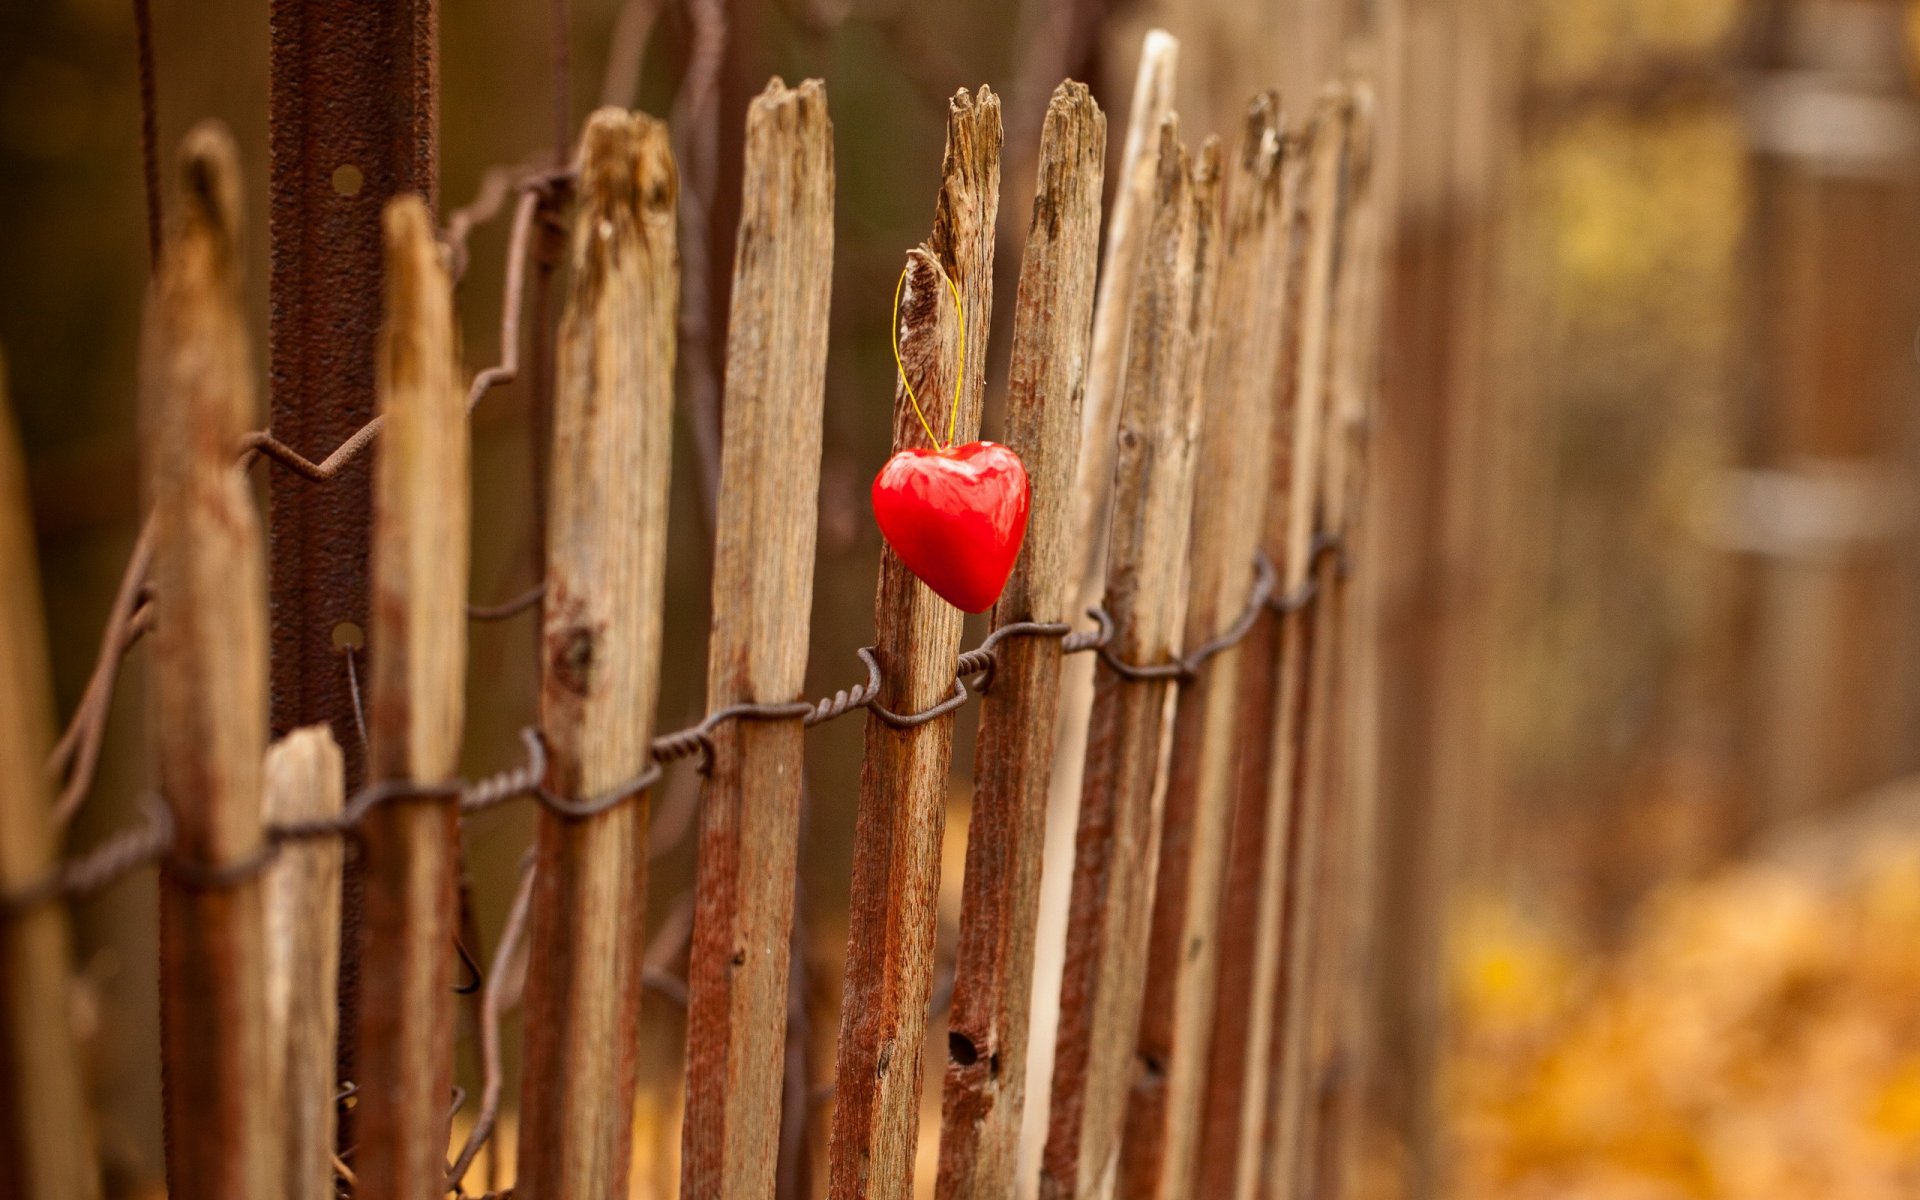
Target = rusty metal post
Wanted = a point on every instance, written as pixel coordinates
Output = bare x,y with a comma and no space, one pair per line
354,118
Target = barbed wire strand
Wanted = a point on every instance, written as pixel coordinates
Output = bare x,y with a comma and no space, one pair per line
152,843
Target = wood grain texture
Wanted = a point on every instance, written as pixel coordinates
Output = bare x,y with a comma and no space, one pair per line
599,685
416,684
1348,1065
1248,1028
985,1086
903,778
209,676
1265,687
1239,386
1113,305
1320,937
1127,230
762,602
1116,844
304,782
46,1136
1287,1149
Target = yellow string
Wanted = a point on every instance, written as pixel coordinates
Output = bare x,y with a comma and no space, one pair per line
959,375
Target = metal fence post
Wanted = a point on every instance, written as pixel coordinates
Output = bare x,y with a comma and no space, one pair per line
353,111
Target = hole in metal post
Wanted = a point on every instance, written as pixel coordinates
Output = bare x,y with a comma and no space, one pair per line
348,636
347,180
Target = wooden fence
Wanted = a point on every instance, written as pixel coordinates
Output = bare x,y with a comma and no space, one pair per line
1195,438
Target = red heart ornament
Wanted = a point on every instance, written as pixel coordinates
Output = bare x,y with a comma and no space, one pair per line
956,517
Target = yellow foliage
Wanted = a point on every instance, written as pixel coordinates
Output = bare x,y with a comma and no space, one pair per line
1578,39
1757,1037
1636,208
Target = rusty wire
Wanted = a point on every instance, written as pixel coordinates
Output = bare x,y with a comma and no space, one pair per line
492,1004
667,943
153,843
508,608
75,757
77,754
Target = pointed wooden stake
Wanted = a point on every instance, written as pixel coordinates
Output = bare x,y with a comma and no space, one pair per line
1315,938
1240,386
600,669
209,701
903,780
762,601
1249,1034
416,687
1117,842
1133,180
1128,233
985,1087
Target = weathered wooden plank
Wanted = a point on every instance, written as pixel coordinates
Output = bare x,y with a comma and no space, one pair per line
903,779
209,678
985,1086
1245,1129
1268,685
1116,844
1127,230
304,782
599,686
1356,382
1322,936
1239,386
1113,305
416,686
46,1140
762,601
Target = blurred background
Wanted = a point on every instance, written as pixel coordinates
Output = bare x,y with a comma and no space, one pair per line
1643,552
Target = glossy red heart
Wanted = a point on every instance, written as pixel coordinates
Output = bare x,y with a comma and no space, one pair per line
956,518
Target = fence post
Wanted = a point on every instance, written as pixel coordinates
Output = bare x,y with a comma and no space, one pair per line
415,706
354,117
1323,934
209,691
903,779
304,783
1309,775
1229,1072
1355,401
1245,1050
353,121
985,1087
1115,847
1239,390
600,659
46,1137
1112,310
738,966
